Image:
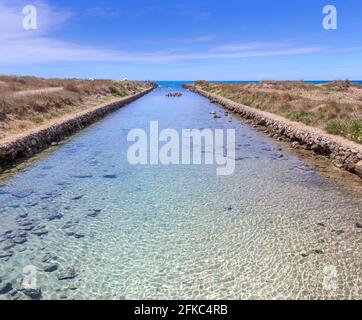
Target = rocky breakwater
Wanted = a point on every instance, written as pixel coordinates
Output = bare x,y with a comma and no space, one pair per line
18,148
342,152
174,95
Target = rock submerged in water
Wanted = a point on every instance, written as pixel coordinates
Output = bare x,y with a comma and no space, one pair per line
54,216
81,175
51,267
70,224
93,213
12,234
78,197
305,254
110,176
20,240
12,238
27,226
30,289
47,167
48,258
174,94
33,293
14,206
318,251
22,193
338,232
70,233
40,230
78,235
5,287
6,254
25,222
321,224
7,245
67,274
67,226
23,215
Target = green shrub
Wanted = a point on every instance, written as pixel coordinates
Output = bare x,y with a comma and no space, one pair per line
350,129
301,117
355,130
116,91
336,127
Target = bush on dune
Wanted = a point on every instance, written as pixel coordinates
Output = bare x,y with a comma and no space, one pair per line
349,129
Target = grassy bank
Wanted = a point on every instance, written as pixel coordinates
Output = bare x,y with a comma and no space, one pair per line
335,107
21,109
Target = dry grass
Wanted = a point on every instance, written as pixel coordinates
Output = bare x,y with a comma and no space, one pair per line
26,111
316,105
9,84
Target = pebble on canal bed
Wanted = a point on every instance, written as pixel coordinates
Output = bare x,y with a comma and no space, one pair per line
67,274
34,293
5,287
81,175
110,176
22,193
78,197
53,216
51,267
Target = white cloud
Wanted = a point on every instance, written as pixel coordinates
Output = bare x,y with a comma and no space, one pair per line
11,19
237,47
21,47
185,40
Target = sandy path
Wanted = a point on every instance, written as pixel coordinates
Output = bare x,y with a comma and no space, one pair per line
34,92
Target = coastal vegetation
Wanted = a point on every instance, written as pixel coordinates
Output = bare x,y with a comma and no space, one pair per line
335,106
27,102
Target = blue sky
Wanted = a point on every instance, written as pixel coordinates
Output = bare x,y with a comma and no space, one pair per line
182,40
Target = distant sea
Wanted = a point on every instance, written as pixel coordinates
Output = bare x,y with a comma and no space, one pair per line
180,83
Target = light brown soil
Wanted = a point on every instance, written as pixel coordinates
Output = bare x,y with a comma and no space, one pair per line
29,102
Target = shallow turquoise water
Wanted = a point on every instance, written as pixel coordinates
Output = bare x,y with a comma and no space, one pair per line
271,230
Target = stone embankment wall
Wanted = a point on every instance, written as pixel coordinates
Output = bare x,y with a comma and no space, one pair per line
24,146
342,152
